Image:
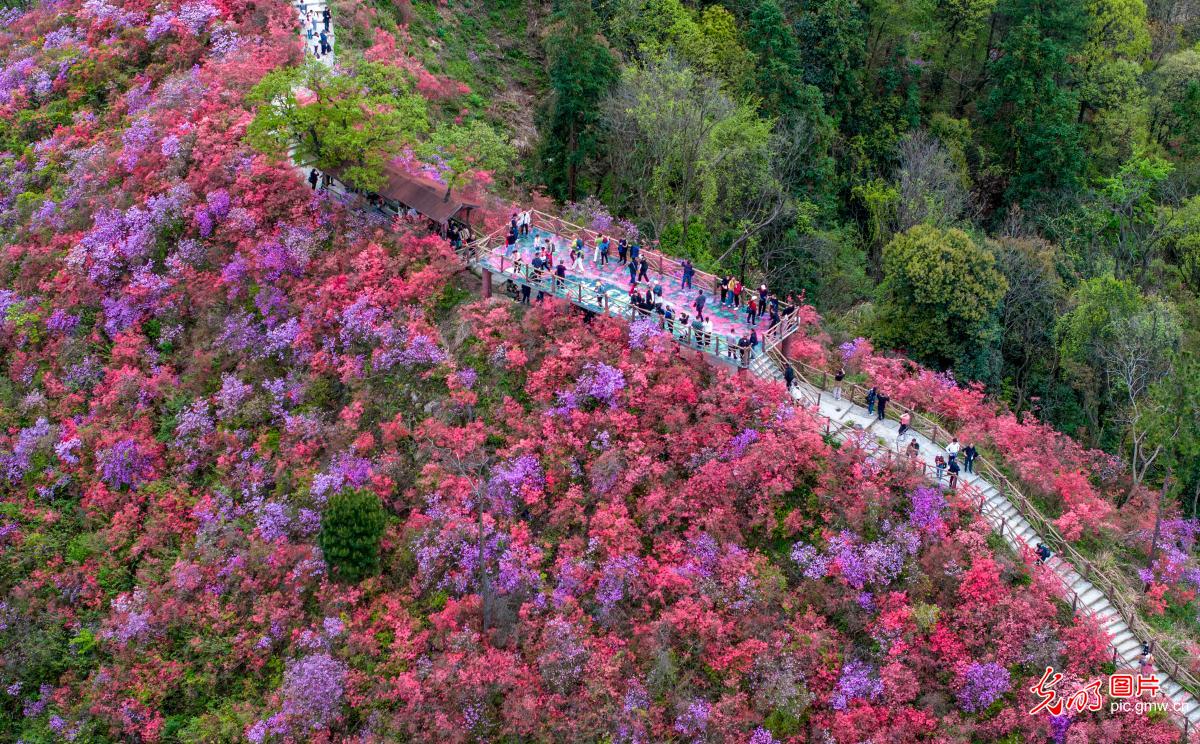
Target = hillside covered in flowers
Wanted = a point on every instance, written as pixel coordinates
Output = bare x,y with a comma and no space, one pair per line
586,535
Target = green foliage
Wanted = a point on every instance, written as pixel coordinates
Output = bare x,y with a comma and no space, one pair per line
355,123
476,146
1032,115
351,529
1088,327
939,298
582,72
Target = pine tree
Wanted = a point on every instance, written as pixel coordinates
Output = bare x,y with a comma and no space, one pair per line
351,528
582,72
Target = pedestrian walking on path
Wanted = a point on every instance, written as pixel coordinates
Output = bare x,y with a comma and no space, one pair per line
882,401
872,396
969,454
905,418
326,16
837,377
313,178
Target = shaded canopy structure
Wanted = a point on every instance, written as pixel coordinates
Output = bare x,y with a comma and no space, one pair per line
428,197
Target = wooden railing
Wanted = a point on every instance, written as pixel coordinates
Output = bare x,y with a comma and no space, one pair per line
1114,589
971,494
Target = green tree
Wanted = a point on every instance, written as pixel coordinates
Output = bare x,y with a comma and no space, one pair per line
582,72
1098,306
833,52
1175,103
463,149
336,120
1182,241
779,73
1174,424
1031,111
1031,303
676,138
939,300
351,529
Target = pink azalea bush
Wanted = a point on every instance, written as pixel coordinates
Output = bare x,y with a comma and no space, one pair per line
591,535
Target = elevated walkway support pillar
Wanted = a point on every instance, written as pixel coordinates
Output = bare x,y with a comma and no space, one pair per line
487,283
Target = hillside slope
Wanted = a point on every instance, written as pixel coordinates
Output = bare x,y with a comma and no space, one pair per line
586,535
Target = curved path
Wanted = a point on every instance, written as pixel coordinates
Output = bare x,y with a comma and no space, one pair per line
848,420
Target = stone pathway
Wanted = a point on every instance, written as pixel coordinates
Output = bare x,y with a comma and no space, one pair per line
1001,514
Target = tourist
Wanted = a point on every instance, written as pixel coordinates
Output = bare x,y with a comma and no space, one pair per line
969,455
954,469
872,395
601,296
604,251
313,178
326,16
905,418
622,250
698,332
837,381
752,311
514,224
658,289
724,289
698,303
775,319
789,375
736,291
753,339
560,273
762,298
635,250
688,272
577,261
708,330
914,449
524,294
743,346
1043,554
882,400
326,47
643,269
633,270
952,448
1146,661
939,462
525,221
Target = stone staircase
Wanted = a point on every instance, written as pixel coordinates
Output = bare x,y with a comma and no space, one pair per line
848,420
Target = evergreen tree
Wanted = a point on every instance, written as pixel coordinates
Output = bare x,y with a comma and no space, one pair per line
1030,108
582,71
351,528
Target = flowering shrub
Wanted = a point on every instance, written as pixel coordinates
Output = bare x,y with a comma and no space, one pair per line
586,529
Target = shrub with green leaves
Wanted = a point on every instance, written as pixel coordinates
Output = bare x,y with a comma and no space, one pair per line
351,529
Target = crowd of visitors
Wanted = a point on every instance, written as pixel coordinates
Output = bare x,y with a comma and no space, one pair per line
316,29
572,262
